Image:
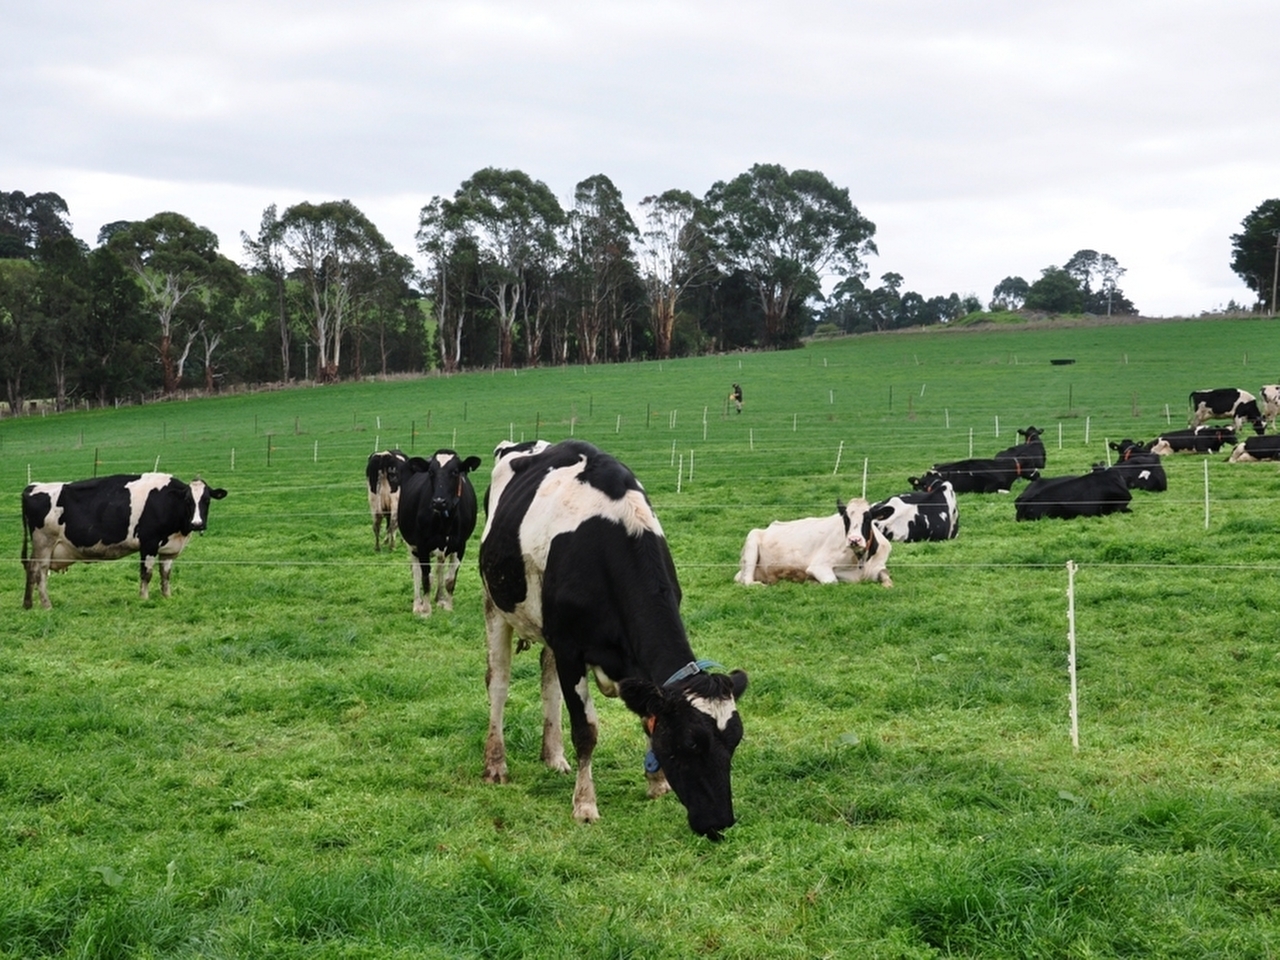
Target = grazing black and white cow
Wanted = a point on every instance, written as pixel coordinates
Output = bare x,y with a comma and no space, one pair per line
1270,397
1256,448
572,556
1091,495
1141,469
383,474
153,514
977,475
923,515
1030,453
846,547
1226,403
436,516
1205,438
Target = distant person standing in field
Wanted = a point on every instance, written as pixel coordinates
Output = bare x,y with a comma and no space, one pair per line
736,396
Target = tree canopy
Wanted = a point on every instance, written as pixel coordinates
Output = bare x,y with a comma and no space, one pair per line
1254,251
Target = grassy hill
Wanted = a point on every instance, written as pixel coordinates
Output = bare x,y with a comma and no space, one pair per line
281,760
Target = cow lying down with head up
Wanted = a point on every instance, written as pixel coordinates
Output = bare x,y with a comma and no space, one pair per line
847,547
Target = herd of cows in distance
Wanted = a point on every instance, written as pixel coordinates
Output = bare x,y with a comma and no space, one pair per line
573,557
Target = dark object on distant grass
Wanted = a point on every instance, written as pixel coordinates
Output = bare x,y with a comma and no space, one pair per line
1061,362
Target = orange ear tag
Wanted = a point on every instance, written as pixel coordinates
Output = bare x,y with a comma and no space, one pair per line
649,723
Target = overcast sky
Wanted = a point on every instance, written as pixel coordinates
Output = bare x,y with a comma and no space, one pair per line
983,139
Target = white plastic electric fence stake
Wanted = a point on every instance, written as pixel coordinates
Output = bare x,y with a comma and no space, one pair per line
673,453
455,438
997,426
377,440
29,473
680,473
865,461
233,458
948,413
378,421
1071,653
839,453
691,466
922,386
1106,441
157,466
1166,415
1059,434
793,423
1086,430
1206,494
831,396
315,452
971,443
751,437
618,428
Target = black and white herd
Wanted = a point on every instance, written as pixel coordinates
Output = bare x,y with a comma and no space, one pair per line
573,557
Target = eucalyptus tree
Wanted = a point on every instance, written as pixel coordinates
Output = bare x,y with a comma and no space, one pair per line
19,323
65,307
113,352
513,221
673,257
786,231
1010,293
331,247
266,258
28,220
173,259
453,272
601,260
1255,252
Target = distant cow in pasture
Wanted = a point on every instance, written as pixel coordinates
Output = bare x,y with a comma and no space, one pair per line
1270,396
1205,438
436,516
1091,495
1030,453
152,514
921,515
1141,469
1226,403
1256,448
977,475
572,556
383,475
846,547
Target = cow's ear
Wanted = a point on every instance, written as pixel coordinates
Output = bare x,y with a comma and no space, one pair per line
739,678
881,511
641,696
471,463
217,494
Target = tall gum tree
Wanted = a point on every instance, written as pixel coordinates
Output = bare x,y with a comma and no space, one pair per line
786,231
1254,254
673,258
331,245
601,259
173,259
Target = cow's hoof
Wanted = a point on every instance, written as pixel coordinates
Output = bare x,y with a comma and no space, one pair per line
422,611
496,776
657,785
888,584
586,813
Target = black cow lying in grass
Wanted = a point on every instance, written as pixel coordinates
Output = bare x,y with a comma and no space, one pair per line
1256,448
1141,469
1091,495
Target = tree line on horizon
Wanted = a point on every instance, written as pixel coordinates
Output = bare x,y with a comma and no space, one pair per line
511,277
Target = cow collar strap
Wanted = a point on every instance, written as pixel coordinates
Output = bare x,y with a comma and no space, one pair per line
692,668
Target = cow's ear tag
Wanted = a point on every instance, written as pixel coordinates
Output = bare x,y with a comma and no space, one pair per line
649,723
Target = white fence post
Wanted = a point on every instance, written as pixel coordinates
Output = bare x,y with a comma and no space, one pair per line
1071,653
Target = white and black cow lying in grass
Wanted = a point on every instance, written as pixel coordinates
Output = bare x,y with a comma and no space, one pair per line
846,547
1205,438
1030,453
1226,403
977,475
1141,469
383,475
1270,397
1254,449
436,516
929,514
1092,495
572,556
153,514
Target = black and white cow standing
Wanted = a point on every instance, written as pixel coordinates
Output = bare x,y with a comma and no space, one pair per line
1091,495
153,514
572,556
1226,403
436,516
846,547
930,514
383,474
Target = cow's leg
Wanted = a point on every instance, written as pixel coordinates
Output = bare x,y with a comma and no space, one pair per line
166,569
822,572
145,565
498,681
32,568
391,529
447,575
584,729
421,590
552,735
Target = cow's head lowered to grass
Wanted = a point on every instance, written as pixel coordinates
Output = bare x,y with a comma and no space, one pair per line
693,728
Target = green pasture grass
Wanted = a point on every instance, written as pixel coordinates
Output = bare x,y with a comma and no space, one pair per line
282,761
